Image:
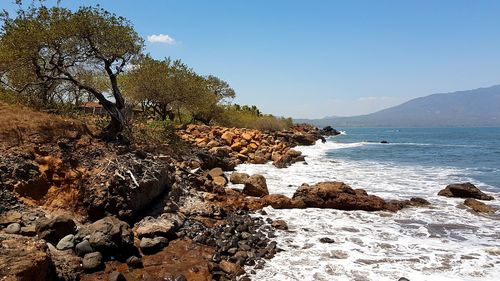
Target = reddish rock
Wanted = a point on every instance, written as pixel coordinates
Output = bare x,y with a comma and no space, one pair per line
464,190
256,186
181,257
479,207
279,201
338,195
231,268
238,178
24,259
280,224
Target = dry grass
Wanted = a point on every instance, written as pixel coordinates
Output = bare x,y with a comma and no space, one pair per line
20,125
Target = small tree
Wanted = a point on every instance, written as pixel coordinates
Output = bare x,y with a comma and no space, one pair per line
45,49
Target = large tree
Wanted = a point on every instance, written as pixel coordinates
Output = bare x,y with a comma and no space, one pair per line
45,49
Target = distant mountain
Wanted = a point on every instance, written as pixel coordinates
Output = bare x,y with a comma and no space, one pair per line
473,108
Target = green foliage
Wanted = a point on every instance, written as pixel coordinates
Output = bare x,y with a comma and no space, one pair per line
251,117
155,132
169,89
56,55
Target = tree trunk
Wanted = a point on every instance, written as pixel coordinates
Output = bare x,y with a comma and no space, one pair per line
116,125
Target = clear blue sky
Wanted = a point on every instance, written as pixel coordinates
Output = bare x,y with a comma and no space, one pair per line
322,58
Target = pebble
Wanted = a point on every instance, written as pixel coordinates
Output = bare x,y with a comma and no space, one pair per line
92,261
83,248
13,228
67,242
326,240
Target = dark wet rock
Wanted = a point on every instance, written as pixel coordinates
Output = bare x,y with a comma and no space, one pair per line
417,201
67,242
479,207
153,245
83,248
384,141
329,131
280,224
256,186
338,195
92,261
55,229
109,236
464,190
134,262
326,240
165,225
116,276
180,278
13,228
403,279
210,161
238,178
24,258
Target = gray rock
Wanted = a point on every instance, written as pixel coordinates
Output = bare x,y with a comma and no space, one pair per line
83,248
13,228
92,261
165,225
109,236
67,242
152,245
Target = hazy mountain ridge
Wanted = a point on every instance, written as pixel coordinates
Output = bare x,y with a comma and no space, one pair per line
472,108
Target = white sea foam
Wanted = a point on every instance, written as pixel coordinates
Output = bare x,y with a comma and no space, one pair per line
445,242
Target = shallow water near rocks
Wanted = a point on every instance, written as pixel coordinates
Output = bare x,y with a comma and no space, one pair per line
444,242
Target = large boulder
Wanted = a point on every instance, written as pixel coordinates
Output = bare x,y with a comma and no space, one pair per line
256,186
109,235
464,190
165,225
24,259
127,188
338,195
54,229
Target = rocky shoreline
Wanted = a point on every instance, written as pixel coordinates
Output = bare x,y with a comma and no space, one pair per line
80,209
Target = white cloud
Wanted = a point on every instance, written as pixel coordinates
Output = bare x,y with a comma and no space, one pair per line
161,38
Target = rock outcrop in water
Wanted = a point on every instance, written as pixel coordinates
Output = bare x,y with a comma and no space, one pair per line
338,195
478,206
464,190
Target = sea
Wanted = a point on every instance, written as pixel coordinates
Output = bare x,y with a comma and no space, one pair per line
446,241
